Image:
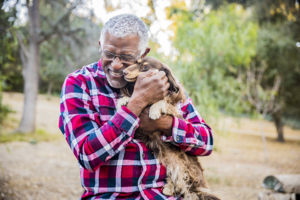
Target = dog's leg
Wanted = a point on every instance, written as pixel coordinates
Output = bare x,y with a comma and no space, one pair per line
122,102
169,188
157,109
173,110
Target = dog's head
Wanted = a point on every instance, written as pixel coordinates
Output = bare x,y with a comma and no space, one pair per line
142,65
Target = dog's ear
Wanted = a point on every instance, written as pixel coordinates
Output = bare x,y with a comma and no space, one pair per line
127,90
174,87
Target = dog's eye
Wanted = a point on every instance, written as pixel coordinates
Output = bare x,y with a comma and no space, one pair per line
145,68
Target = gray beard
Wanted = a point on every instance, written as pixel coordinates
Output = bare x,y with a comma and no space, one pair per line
117,85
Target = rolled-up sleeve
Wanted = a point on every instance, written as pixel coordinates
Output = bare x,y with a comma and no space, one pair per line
191,134
91,141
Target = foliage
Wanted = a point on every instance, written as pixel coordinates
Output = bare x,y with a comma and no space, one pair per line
4,110
61,54
279,31
10,63
66,53
8,58
210,52
278,47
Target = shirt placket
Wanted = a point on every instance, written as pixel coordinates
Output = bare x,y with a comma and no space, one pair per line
141,186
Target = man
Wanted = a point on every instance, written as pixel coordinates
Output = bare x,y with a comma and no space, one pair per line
114,165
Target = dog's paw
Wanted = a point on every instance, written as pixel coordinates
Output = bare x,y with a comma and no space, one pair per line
157,109
167,191
122,102
154,112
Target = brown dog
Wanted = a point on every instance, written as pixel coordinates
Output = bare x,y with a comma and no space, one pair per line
184,172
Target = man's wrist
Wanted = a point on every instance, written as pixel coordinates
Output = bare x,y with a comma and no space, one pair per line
136,105
165,125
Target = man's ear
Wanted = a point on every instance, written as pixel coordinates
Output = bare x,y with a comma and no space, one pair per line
100,49
147,50
174,87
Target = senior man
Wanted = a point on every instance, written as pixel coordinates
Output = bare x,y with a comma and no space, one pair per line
114,165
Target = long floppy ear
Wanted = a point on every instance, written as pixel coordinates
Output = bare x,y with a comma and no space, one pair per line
174,87
127,90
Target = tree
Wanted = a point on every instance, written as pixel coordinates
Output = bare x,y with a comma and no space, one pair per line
277,37
64,54
263,99
278,32
210,50
57,25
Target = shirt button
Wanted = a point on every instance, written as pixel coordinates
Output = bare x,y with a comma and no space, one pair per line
143,155
177,138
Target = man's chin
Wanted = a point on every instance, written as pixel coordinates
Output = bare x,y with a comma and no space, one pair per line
116,83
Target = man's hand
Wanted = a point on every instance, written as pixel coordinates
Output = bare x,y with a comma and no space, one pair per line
164,123
150,87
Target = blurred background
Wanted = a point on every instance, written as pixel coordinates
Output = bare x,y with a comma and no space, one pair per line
238,60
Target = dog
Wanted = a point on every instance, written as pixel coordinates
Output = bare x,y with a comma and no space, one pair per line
184,172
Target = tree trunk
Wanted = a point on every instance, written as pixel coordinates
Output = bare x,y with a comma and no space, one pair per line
279,126
31,71
263,137
49,90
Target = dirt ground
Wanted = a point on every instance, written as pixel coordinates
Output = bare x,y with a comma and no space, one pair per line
235,170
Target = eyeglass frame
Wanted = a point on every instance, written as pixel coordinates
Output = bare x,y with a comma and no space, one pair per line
120,57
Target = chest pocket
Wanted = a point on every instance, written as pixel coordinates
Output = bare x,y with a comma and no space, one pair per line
105,106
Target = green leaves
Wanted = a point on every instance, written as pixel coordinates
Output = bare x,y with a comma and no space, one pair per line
4,110
211,53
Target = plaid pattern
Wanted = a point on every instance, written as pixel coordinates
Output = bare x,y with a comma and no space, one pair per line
112,164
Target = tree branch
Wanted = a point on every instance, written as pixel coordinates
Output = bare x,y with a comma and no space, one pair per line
54,29
255,93
23,48
67,33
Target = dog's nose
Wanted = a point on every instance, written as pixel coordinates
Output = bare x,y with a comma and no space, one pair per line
125,72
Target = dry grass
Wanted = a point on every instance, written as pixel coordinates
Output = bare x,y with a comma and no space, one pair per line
235,169
238,167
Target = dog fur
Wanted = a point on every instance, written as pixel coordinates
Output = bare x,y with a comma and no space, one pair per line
184,172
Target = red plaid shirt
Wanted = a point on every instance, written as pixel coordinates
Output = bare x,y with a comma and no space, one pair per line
114,165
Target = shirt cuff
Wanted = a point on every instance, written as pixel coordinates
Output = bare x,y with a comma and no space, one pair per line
126,120
181,133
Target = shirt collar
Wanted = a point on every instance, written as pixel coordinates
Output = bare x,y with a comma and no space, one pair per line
100,71
101,74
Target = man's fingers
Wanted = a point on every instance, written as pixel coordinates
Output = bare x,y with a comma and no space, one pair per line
151,72
165,79
166,88
161,74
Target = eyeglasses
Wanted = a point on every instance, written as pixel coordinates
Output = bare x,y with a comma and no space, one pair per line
111,56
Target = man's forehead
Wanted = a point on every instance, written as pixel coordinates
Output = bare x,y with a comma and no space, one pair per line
113,48
130,37
129,43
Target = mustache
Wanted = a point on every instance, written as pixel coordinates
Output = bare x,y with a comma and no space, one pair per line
116,71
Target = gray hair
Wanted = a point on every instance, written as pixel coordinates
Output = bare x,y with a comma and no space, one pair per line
125,24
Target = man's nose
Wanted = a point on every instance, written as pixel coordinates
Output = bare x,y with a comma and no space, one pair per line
116,63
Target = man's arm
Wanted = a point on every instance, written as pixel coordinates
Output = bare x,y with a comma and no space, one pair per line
192,135
150,88
91,141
